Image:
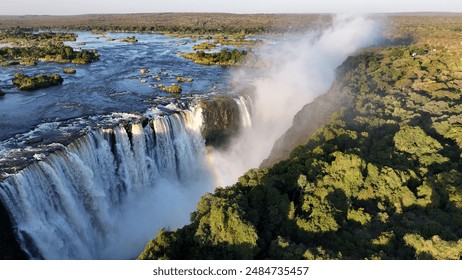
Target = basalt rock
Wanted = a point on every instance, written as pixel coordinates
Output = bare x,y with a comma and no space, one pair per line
221,120
309,119
9,246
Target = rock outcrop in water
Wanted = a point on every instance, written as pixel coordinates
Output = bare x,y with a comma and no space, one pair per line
222,120
69,71
130,39
24,82
173,88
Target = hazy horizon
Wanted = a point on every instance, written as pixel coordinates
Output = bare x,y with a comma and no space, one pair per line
82,7
235,13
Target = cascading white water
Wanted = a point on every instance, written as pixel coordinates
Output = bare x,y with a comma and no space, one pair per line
245,104
106,195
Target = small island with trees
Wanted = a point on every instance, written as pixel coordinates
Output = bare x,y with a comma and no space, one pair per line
24,82
225,57
27,48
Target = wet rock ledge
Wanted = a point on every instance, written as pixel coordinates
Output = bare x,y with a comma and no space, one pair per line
221,120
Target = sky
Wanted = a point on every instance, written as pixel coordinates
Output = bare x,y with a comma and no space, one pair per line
76,7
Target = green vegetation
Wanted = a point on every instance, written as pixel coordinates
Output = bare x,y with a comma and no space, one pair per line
69,71
204,46
24,82
52,53
175,89
224,58
9,63
1,93
171,23
381,180
22,37
236,40
130,39
28,62
26,48
182,79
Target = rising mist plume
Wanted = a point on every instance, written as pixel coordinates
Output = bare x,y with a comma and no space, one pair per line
300,68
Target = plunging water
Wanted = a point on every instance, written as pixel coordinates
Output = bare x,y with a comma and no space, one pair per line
104,196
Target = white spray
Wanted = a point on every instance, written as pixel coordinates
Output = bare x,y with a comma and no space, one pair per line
299,70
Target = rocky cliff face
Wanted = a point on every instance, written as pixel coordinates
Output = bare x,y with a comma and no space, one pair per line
9,246
309,119
221,120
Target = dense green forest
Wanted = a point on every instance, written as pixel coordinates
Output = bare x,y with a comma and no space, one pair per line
381,180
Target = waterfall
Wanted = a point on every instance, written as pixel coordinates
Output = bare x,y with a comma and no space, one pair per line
106,194
244,103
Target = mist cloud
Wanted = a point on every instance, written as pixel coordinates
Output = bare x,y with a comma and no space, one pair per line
300,69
